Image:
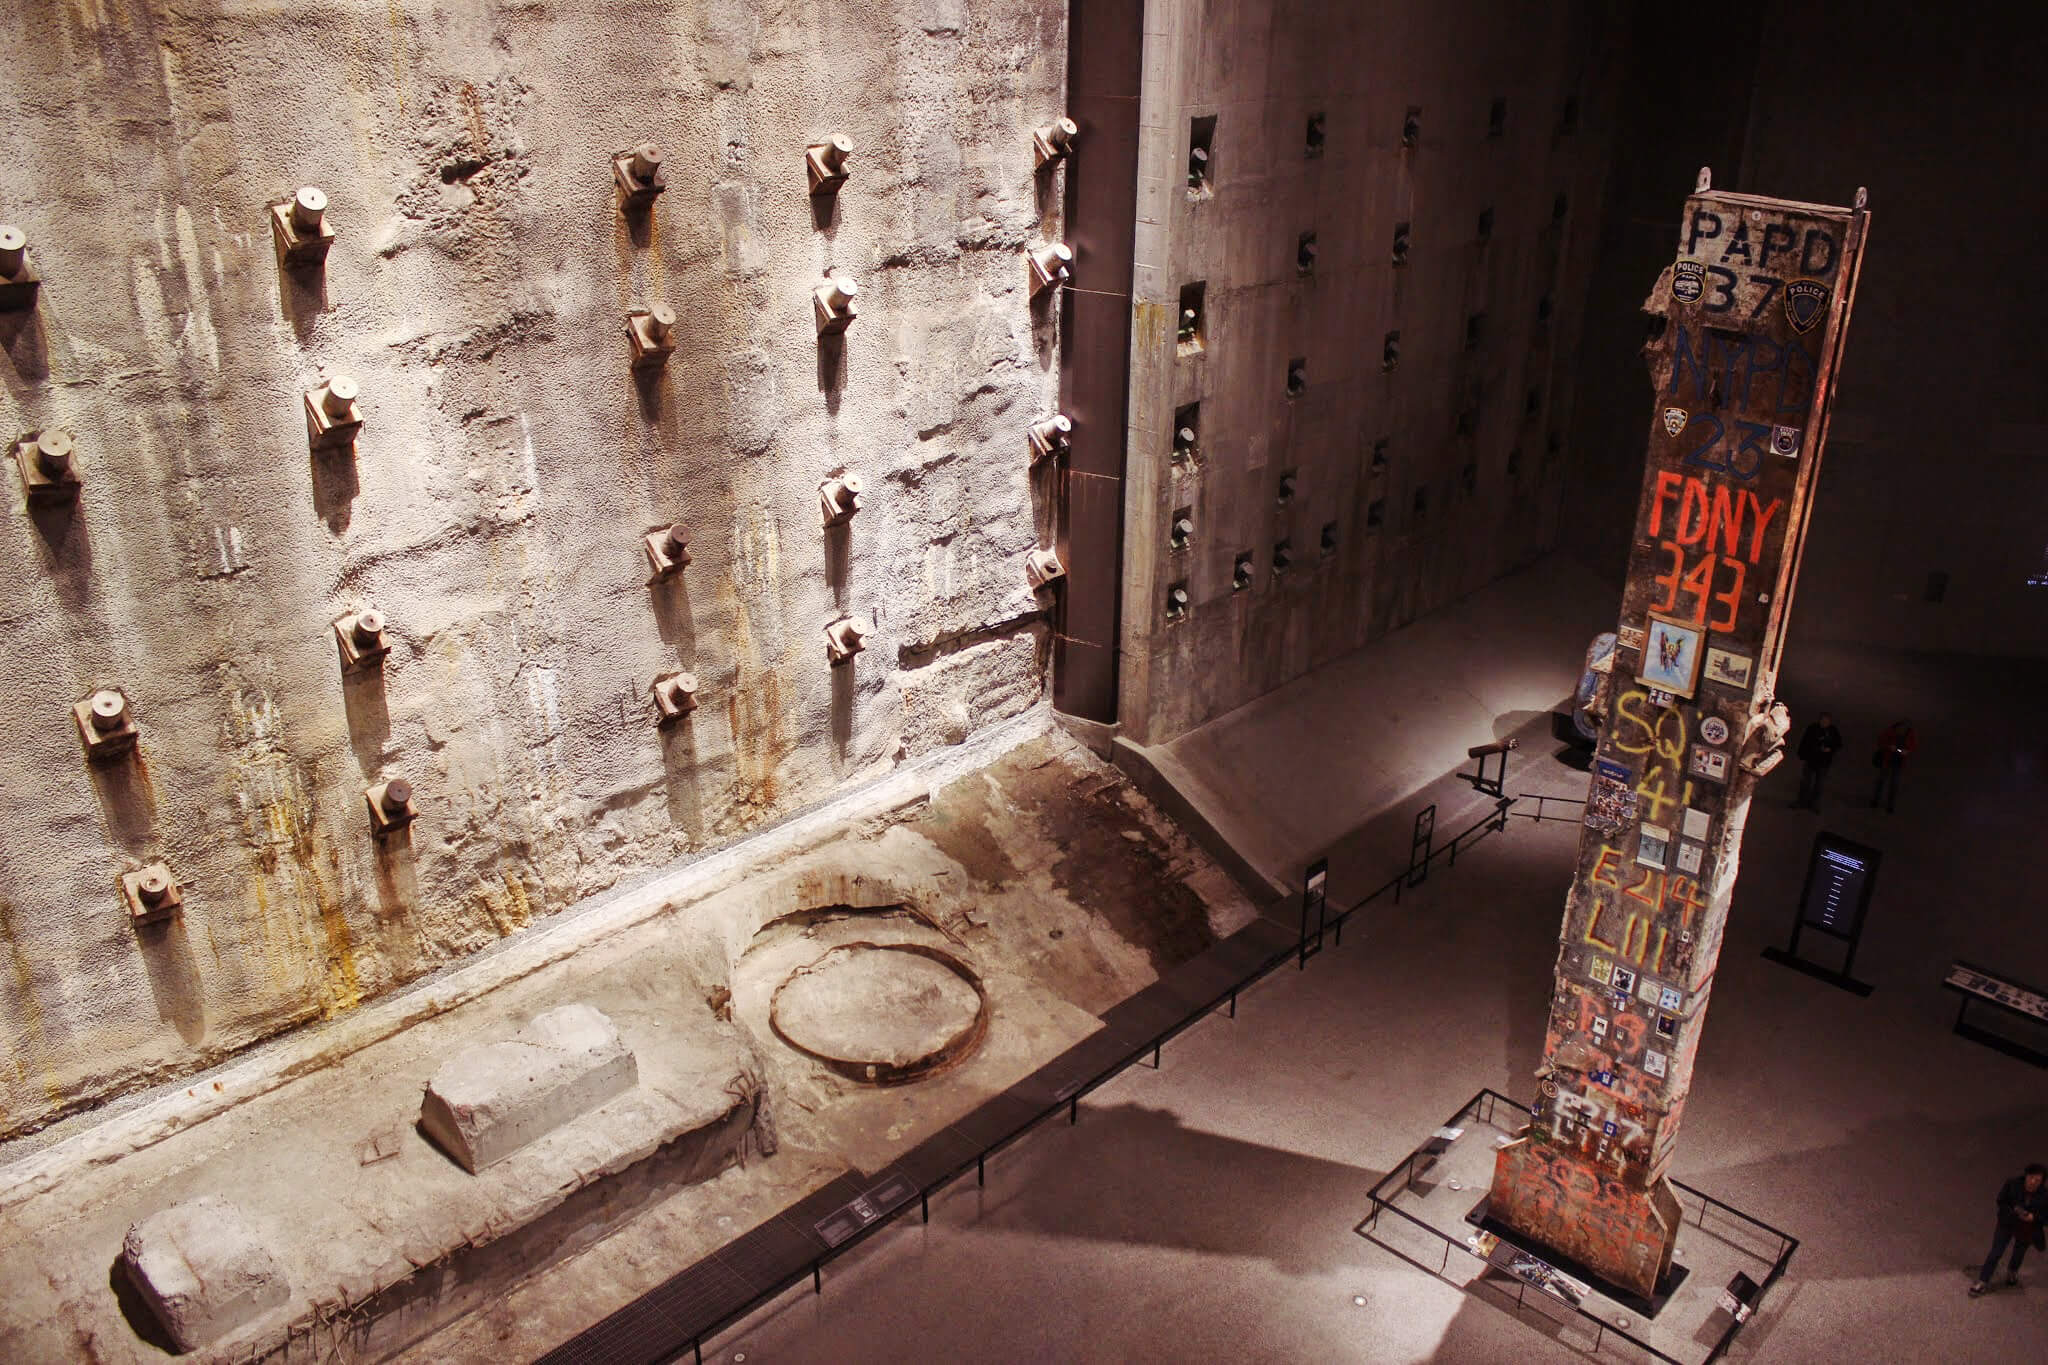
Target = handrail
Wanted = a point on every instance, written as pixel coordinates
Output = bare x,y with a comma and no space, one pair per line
1493,822
1483,1106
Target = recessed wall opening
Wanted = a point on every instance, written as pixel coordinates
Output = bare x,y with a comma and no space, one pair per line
1305,253
1568,116
1297,377
1411,126
1485,225
1177,601
1379,453
1201,154
1401,235
1390,350
1241,571
1475,331
1497,117
1187,431
1376,513
1420,506
1181,531
1193,331
1328,541
1312,138
1283,555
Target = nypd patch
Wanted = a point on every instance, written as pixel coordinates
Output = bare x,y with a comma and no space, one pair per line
1688,280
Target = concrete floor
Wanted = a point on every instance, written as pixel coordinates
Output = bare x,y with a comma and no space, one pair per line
1205,1210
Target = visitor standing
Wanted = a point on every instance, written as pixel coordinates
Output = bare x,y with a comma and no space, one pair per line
1893,746
1817,750
2022,1212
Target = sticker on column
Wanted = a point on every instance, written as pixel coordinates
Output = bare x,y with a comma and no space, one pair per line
1669,999
1610,1128
1647,992
1602,970
1713,730
1697,822
1711,764
1730,669
1690,857
1653,846
1599,1026
1785,441
1667,1026
1653,1062
1624,981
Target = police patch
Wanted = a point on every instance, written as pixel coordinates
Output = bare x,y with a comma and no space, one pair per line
1806,303
1675,420
1689,281
1785,441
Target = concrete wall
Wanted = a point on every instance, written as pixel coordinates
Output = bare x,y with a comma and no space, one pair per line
509,466
1474,449
1943,364
1944,369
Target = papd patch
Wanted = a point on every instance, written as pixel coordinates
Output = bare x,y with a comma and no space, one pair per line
1806,303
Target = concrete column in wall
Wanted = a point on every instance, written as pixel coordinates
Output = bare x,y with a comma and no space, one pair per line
1755,309
1105,40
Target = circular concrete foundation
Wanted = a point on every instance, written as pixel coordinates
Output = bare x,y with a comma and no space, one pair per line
882,1013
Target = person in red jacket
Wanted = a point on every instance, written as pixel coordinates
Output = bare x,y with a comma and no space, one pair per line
1897,741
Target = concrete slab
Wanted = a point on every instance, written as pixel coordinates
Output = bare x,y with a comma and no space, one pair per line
487,1102
203,1270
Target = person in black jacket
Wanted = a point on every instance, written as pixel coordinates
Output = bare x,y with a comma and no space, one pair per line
2022,1212
1817,750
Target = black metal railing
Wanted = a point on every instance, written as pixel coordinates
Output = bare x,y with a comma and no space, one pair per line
1483,1107
1423,852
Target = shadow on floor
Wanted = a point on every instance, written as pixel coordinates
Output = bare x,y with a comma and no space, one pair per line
1148,1180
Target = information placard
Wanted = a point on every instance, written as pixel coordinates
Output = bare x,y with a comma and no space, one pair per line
1840,876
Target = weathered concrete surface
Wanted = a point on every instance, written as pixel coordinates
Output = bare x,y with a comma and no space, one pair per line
1468,426
1045,872
882,1009
508,467
203,1270
487,1102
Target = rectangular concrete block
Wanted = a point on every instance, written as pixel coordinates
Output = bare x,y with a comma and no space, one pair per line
202,1270
487,1102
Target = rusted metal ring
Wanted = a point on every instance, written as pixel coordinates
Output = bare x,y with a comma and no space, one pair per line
870,1071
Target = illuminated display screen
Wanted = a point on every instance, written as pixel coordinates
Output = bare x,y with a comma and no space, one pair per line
1839,880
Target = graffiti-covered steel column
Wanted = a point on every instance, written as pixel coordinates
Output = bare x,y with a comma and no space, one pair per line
1754,310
